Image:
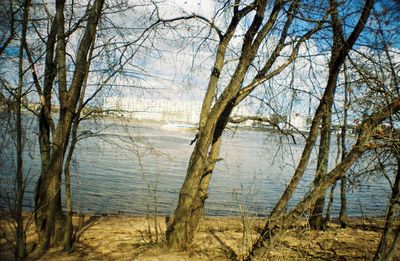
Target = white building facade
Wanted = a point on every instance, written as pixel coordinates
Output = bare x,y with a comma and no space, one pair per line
155,109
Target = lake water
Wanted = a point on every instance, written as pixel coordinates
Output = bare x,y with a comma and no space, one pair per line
140,169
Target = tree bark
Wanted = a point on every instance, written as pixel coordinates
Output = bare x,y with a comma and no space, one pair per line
50,220
184,224
11,34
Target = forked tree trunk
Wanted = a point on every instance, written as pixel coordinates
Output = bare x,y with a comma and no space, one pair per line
213,120
49,218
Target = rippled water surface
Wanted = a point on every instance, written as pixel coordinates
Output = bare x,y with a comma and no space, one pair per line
140,169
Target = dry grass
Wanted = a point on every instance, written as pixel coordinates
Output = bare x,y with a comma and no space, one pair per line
128,238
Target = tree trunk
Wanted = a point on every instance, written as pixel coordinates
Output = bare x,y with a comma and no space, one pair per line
330,204
49,211
386,246
184,223
20,250
50,221
181,230
68,233
49,215
46,126
343,218
332,192
316,220
305,204
343,186
325,103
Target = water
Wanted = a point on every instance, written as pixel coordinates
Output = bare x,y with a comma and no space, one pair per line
140,169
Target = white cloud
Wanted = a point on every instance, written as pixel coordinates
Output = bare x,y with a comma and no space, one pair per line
174,8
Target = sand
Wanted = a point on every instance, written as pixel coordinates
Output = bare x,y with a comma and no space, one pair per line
126,237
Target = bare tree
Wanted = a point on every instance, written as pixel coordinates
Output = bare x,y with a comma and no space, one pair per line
50,220
63,41
76,36
267,19
380,98
363,144
340,49
14,105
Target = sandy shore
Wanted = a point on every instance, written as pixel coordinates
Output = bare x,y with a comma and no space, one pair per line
135,238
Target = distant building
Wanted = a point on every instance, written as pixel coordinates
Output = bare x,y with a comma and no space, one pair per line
161,109
300,122
155,109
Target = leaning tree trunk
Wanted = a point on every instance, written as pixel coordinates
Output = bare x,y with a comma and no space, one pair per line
180,231
184,224
201,196
324,104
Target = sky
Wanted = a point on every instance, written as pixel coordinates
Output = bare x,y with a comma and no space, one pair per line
176,64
